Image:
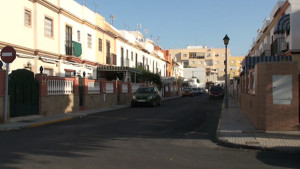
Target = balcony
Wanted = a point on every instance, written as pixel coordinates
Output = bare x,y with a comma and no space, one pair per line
279,47
73,48
111,59
266,53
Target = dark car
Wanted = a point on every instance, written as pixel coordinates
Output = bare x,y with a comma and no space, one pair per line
146,96
187,92
216,92
196,91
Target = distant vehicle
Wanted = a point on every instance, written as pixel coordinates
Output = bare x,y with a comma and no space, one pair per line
202,90
216,92
187,92
146,96
196,91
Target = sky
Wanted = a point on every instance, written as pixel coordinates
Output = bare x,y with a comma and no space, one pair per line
178,23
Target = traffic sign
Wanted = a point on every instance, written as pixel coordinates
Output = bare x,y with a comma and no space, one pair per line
8,54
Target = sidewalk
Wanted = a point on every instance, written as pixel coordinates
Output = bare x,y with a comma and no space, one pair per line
236,130
38,120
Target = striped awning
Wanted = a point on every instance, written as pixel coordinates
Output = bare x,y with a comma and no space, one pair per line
283,24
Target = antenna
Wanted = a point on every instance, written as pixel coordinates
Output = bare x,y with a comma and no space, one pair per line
95,7
112,17
146,32
157,39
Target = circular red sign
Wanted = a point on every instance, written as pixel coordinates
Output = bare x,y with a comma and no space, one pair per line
8,54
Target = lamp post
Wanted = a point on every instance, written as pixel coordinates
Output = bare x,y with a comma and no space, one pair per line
226,41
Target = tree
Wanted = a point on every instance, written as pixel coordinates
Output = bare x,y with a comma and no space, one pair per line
149,77
198,81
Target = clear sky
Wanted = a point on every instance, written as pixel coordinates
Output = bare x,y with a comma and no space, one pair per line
179,23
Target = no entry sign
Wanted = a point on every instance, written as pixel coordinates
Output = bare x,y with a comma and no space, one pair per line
8,54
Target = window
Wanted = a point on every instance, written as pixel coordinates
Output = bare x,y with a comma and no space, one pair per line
216,55
184,55
89,41
48,71
27,17
78,36
131,56
217,69
216,62
200,62
193,62
192,55
48,27
68,73
208,55
100,44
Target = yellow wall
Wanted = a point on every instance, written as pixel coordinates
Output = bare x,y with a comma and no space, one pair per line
100,55
237,63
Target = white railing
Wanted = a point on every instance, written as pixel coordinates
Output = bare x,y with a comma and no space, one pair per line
167,88
124,88
135,86
93,87
109,88
59,87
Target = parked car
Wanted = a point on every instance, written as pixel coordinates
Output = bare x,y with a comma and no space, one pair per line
216,92
196,91
202,90
146,96
187,92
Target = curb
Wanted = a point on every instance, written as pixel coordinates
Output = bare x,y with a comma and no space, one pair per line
225,143
49,122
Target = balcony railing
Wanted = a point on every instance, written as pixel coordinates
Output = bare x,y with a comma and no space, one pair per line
73,48
266,53
279,46
111,59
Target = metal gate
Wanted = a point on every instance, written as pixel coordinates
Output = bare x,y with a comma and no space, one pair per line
80,87
23,93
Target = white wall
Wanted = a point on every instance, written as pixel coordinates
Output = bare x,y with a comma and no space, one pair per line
295,24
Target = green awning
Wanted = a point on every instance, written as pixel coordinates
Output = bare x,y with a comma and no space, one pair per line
77,50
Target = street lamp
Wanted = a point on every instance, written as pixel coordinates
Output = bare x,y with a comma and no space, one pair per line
226,41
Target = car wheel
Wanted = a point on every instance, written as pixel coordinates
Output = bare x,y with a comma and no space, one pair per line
153,104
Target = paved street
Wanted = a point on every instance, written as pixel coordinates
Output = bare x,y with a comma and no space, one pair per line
178,134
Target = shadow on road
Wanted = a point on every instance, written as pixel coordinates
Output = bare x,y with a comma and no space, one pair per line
197,119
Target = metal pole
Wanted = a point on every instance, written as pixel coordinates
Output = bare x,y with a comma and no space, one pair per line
226,97
6,94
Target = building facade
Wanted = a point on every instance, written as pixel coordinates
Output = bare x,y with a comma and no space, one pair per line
235,66
68,39
279,34
212,59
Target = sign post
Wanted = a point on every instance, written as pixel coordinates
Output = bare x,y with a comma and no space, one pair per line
8,55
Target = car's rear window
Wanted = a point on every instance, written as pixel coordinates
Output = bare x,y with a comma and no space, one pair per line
187,89
145,90
216,89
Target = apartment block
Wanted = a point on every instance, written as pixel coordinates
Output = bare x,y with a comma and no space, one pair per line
212,59
235,65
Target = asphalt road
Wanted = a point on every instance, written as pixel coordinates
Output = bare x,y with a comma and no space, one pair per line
180,134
